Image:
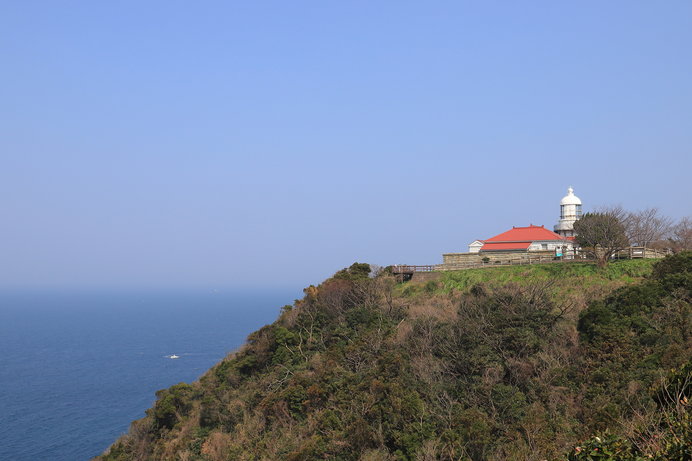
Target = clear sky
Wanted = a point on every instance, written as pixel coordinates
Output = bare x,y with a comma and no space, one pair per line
257,143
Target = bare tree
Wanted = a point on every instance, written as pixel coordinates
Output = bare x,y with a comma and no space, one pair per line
681,235
603,234
375,270
647,227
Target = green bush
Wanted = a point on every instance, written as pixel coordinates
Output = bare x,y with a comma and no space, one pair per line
171,404
607,447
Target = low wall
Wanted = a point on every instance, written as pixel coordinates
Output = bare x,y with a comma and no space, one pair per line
461,258
452,261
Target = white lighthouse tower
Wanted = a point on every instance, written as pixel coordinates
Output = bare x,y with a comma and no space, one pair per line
570,212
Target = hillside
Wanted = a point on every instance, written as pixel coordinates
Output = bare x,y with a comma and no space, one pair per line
520,363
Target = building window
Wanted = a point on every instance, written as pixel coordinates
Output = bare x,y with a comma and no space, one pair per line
544,246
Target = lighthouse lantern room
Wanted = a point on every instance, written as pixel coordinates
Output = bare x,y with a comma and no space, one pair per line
570,212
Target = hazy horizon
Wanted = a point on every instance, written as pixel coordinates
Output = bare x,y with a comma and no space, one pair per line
170,145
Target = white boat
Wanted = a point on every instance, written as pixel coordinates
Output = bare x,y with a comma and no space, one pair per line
173,356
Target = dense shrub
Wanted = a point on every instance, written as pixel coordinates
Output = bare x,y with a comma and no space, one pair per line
496,363
171,405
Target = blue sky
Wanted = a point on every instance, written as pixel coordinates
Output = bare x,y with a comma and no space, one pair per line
248,144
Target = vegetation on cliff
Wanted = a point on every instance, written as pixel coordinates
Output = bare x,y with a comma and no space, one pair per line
525,363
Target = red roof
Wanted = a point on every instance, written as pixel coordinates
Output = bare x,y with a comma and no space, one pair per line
505,246
525,234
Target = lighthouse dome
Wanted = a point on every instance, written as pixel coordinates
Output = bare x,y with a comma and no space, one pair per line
570,198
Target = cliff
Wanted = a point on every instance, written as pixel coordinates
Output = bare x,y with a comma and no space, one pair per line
530,363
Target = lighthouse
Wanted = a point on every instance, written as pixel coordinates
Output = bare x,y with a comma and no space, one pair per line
570,212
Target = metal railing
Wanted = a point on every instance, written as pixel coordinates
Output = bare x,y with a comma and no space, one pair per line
406,269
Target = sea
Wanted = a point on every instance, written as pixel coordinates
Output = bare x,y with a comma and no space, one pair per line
76,367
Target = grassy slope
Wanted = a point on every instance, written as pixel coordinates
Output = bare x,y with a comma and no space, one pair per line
483,364
582,275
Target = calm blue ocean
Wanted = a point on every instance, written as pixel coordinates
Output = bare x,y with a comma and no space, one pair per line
77,367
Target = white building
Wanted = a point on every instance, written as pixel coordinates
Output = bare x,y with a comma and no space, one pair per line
537,238
570,212
475,246
527,239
